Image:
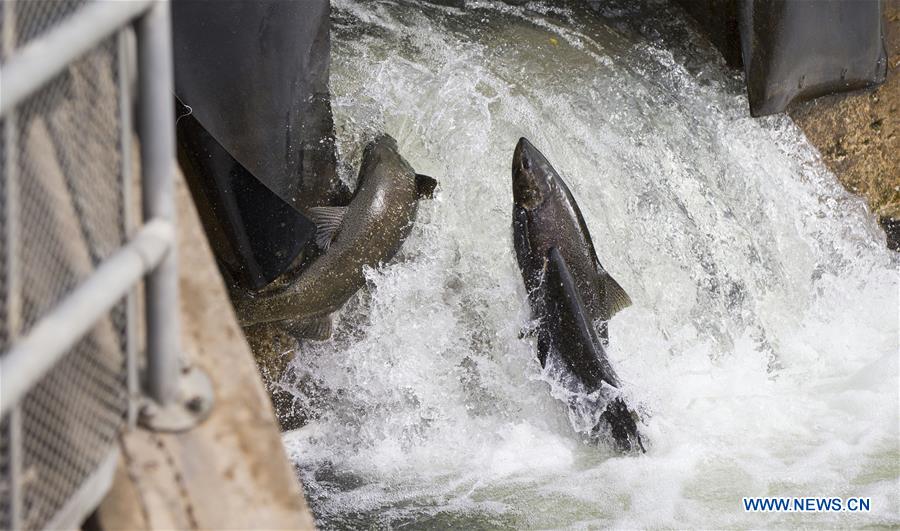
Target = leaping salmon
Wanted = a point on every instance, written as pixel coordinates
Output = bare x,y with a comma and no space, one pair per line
367,232
568,289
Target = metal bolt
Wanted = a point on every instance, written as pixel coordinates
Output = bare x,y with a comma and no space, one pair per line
195,404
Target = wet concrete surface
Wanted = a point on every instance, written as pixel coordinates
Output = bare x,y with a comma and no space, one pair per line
231,471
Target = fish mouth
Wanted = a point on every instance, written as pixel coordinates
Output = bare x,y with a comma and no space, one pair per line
523,156
383,142
526,188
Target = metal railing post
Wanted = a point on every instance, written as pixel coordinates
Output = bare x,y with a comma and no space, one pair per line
157,126
129,220
180,395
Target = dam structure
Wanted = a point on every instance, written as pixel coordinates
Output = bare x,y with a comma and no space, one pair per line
169,169
762,290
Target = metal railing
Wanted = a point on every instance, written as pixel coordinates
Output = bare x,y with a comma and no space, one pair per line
71,259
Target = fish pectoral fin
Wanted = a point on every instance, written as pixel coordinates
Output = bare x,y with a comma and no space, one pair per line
425,186
328,220
615,297
317,329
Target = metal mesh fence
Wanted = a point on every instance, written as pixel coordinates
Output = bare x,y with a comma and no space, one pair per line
69,193
69,423
5,472
34,17
61,214
5,457
4,244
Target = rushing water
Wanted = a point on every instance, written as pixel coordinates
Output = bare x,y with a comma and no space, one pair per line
762,345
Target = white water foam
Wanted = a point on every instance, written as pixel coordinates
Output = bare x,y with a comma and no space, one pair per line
763,340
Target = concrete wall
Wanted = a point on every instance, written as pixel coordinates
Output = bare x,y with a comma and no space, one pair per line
230,472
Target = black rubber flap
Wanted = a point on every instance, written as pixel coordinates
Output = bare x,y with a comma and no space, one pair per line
798,50
255,76
254,234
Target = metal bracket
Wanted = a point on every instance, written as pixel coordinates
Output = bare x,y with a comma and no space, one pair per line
191,407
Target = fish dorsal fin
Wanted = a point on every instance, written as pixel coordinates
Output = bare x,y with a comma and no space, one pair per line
425,186
317,329
327,220
615,298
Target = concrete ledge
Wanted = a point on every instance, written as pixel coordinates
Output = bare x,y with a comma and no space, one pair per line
231,472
